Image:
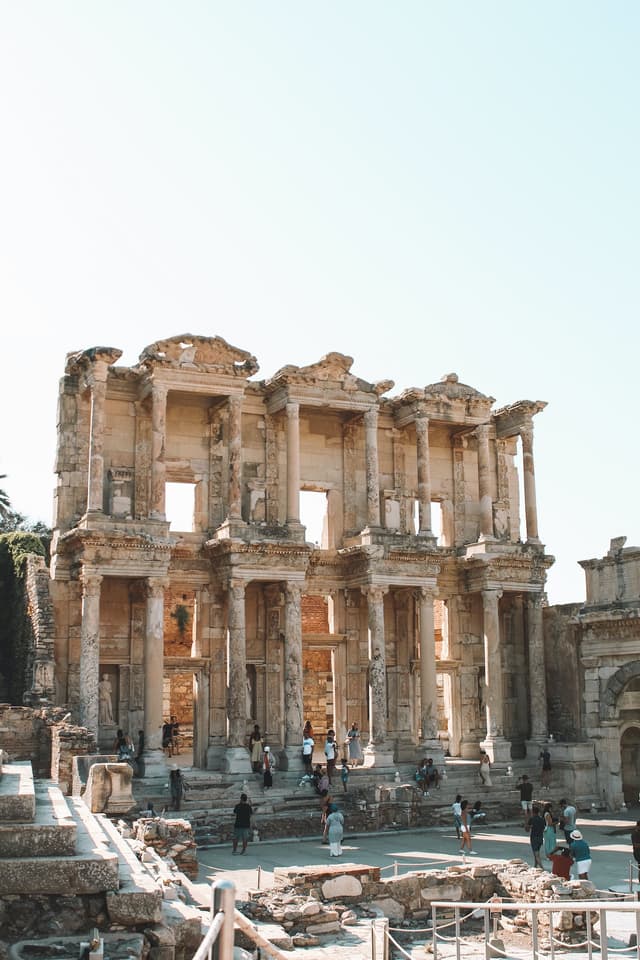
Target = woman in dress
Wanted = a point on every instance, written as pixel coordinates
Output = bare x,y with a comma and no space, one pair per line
465,831
549,840
255,749
335,828
485,770
355,748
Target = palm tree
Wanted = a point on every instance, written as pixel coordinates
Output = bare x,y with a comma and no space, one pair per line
5,502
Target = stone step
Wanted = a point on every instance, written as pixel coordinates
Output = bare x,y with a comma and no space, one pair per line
17,795
93,868
138,898
51,833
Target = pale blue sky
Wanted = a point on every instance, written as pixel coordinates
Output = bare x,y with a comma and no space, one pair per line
427,187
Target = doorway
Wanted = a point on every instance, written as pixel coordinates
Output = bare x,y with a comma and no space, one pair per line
630,755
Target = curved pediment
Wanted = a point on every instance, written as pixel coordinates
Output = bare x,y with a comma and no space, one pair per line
209,354
333,368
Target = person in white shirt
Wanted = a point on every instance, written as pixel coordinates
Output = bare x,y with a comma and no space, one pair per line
330,753
307,754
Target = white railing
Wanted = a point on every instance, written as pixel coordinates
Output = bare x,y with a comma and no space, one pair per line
492,909
218,940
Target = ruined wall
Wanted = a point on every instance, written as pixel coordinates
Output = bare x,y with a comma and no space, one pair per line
564,686
26,735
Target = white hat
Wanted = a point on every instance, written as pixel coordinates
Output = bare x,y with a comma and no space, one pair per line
174,766
575,835
267,749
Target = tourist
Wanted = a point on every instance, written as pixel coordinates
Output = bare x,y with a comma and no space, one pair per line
420,776
242,826
465,830
635,843
568,818
175,734
307,730
545,773
561,861
323,781
325,803
140,754
536,827
477,813
330,753
344,773
267,768
485,769
335,829
581,854
456,810
167,738
526,798
307,752
431,775
355,747
549,840
177,786
256,749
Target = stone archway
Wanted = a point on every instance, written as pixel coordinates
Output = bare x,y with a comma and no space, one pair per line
615,685
630,764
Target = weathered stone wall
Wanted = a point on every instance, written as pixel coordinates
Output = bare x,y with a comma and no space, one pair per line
316,670
564,693
67,742
26,735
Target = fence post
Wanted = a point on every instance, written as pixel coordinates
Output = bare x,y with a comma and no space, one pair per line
604,946
223,898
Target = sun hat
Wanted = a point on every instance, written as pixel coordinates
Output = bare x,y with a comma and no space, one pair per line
267,749
575,835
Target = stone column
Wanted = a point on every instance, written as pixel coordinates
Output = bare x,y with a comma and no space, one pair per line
235,458
90,650
371,462
237,760
158,436
484,482
153,675
377,748
95,493
293,695
529,483
293,462
537,674
495,744
424,477
428,687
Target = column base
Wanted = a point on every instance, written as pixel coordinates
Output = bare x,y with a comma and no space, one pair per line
378,755
432,749
155,764
290,758
498,748
236,760
230,529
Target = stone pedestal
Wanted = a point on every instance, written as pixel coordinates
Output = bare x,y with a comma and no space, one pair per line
236,760
498,748
290,758
378,755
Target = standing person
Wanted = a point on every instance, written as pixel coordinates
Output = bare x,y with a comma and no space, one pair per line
307,730
456,810
581,854
267,766
167,739
485,769
549,840
256,749
526,798
242,826
177,786
344,773
465,829
355,747
545,773
175,734
330,753
568,818
536,832
308,744
325,803
140,754
635,842
335,830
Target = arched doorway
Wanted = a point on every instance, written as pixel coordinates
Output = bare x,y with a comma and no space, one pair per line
630,756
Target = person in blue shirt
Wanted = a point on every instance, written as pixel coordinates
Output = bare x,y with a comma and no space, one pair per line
581,854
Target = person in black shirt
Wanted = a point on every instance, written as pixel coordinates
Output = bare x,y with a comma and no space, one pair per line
243,812
536,827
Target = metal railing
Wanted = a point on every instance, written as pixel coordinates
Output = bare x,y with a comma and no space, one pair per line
217,943
492,909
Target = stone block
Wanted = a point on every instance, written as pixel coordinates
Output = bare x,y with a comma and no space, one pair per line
17,794
109,789
390,907
343,886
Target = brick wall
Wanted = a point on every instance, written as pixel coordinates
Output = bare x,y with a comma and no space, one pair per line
315,615
316,665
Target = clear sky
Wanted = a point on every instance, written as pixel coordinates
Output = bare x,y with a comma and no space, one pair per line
428,187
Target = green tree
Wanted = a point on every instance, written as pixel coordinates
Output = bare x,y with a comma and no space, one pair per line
5,501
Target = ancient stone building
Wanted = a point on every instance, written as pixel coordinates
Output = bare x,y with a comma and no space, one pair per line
418,613
594,690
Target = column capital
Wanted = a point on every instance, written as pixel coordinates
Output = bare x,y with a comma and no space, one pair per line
293,590
371,417
482,431
91,582
159,391
526,433
292,408
237,585
427,593
491,596
536,600
156,586
374,592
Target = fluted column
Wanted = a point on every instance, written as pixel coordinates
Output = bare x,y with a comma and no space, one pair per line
428,686
499,748
529,483
293,695
90,650
236,665
424,477
153,672
293,462
158,437
537,673
484,483
372,470
235,458
377,666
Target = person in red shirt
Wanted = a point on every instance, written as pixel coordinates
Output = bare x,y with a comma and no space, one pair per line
561,861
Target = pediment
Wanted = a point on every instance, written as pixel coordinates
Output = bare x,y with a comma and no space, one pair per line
209,354
333,369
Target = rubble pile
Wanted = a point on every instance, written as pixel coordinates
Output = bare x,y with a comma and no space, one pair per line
171,840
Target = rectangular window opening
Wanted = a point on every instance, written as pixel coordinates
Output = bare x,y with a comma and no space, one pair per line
313,516
436,520
180,502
